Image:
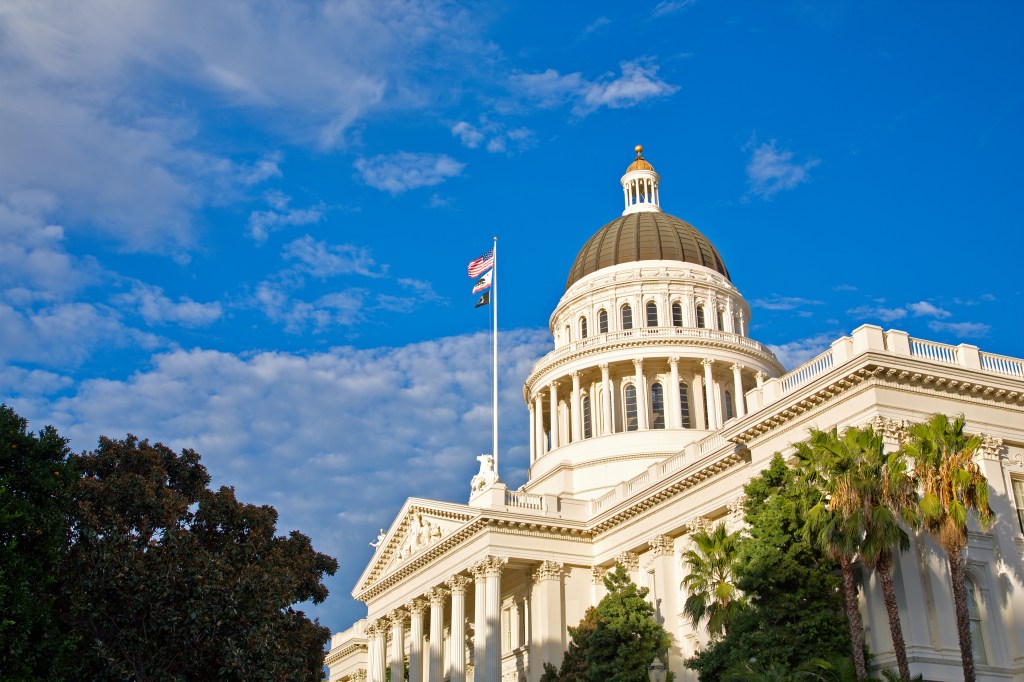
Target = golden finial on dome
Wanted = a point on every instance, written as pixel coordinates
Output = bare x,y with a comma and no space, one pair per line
638,149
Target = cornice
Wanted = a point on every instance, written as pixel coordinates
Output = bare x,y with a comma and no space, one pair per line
346,651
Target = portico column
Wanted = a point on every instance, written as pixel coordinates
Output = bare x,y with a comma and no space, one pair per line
631,562
538,434
458,585
492,644
397,619
641,395
709,394
606,382
554,415
598,591
479,620
577,421
378,657
547,579
737,399
533,435
416,609
437,598
675,409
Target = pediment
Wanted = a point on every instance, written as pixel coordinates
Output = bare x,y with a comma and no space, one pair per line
420,524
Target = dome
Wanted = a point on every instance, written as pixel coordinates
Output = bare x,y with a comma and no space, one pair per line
645,236
640,163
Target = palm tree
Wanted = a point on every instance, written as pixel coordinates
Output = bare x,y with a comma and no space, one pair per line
713,593
888,496
952,485
834,522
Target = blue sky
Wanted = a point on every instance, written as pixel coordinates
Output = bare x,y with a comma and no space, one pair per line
243,227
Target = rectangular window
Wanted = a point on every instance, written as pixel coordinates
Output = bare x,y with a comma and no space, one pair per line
1018,499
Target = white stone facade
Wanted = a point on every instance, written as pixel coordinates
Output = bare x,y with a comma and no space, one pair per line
621,471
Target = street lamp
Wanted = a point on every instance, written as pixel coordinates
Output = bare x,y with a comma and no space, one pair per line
656,671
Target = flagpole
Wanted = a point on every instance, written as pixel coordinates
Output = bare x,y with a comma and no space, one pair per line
494,368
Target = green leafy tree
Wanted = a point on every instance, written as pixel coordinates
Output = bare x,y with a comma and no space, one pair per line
794,610
34,477
952,485
168,580
712,590
626,638
574,666
827,462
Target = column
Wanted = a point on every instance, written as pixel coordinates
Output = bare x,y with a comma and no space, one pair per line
458,585
709,394
538,434
547,580
397,619
378,652
437,598
641,396
416,609
479,619
696,402
554,415
738,403
606,383
631,562
675,420
577,413
598,590
533,434
492,598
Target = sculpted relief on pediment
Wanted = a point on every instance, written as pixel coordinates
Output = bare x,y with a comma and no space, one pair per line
421,530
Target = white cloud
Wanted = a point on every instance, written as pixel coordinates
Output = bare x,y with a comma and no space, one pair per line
262,223
878,312
499,139
772,170
356,421
468,134
156,308
926,309
637,82
403,171
963,330
671,7
322,260
777,302
795,353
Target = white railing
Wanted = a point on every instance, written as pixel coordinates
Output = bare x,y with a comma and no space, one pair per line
1002,364
515,498
711,443
604,501
807,371
637,483
930,350
674,462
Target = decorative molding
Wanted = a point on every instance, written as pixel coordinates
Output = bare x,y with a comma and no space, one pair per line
416,607
597,574
697,524
458,583
437,595
397,617
628,560
662,545
548,570
493,565
735,507
992,448
359,676
892,430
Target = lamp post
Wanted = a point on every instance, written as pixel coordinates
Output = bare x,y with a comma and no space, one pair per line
656,671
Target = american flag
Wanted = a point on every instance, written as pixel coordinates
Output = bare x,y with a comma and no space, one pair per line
482,264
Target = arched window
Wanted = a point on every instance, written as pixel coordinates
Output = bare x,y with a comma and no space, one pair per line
700,316
728,405
677,314
974,614
658,406
652,314
587,425
721,322
583,327
602,321
631,423
684,405
627,317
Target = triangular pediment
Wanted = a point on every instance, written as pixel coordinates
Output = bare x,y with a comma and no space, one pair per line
420,525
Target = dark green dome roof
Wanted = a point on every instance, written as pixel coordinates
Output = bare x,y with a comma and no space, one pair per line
647,235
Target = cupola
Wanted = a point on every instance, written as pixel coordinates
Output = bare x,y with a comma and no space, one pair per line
640,186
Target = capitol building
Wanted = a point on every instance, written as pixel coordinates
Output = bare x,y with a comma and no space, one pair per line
647,418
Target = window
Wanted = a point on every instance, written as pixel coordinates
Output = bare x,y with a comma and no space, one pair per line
583,327
728,405
721,322
700,316
652,314
658,406
736,324
602,321
587,428
677,315
684,405
1018,498
631,424
627,317
974,614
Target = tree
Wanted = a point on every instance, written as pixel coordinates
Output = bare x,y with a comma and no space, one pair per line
794,610
34,476
168,580
574,666
952,485
710,583
835,521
